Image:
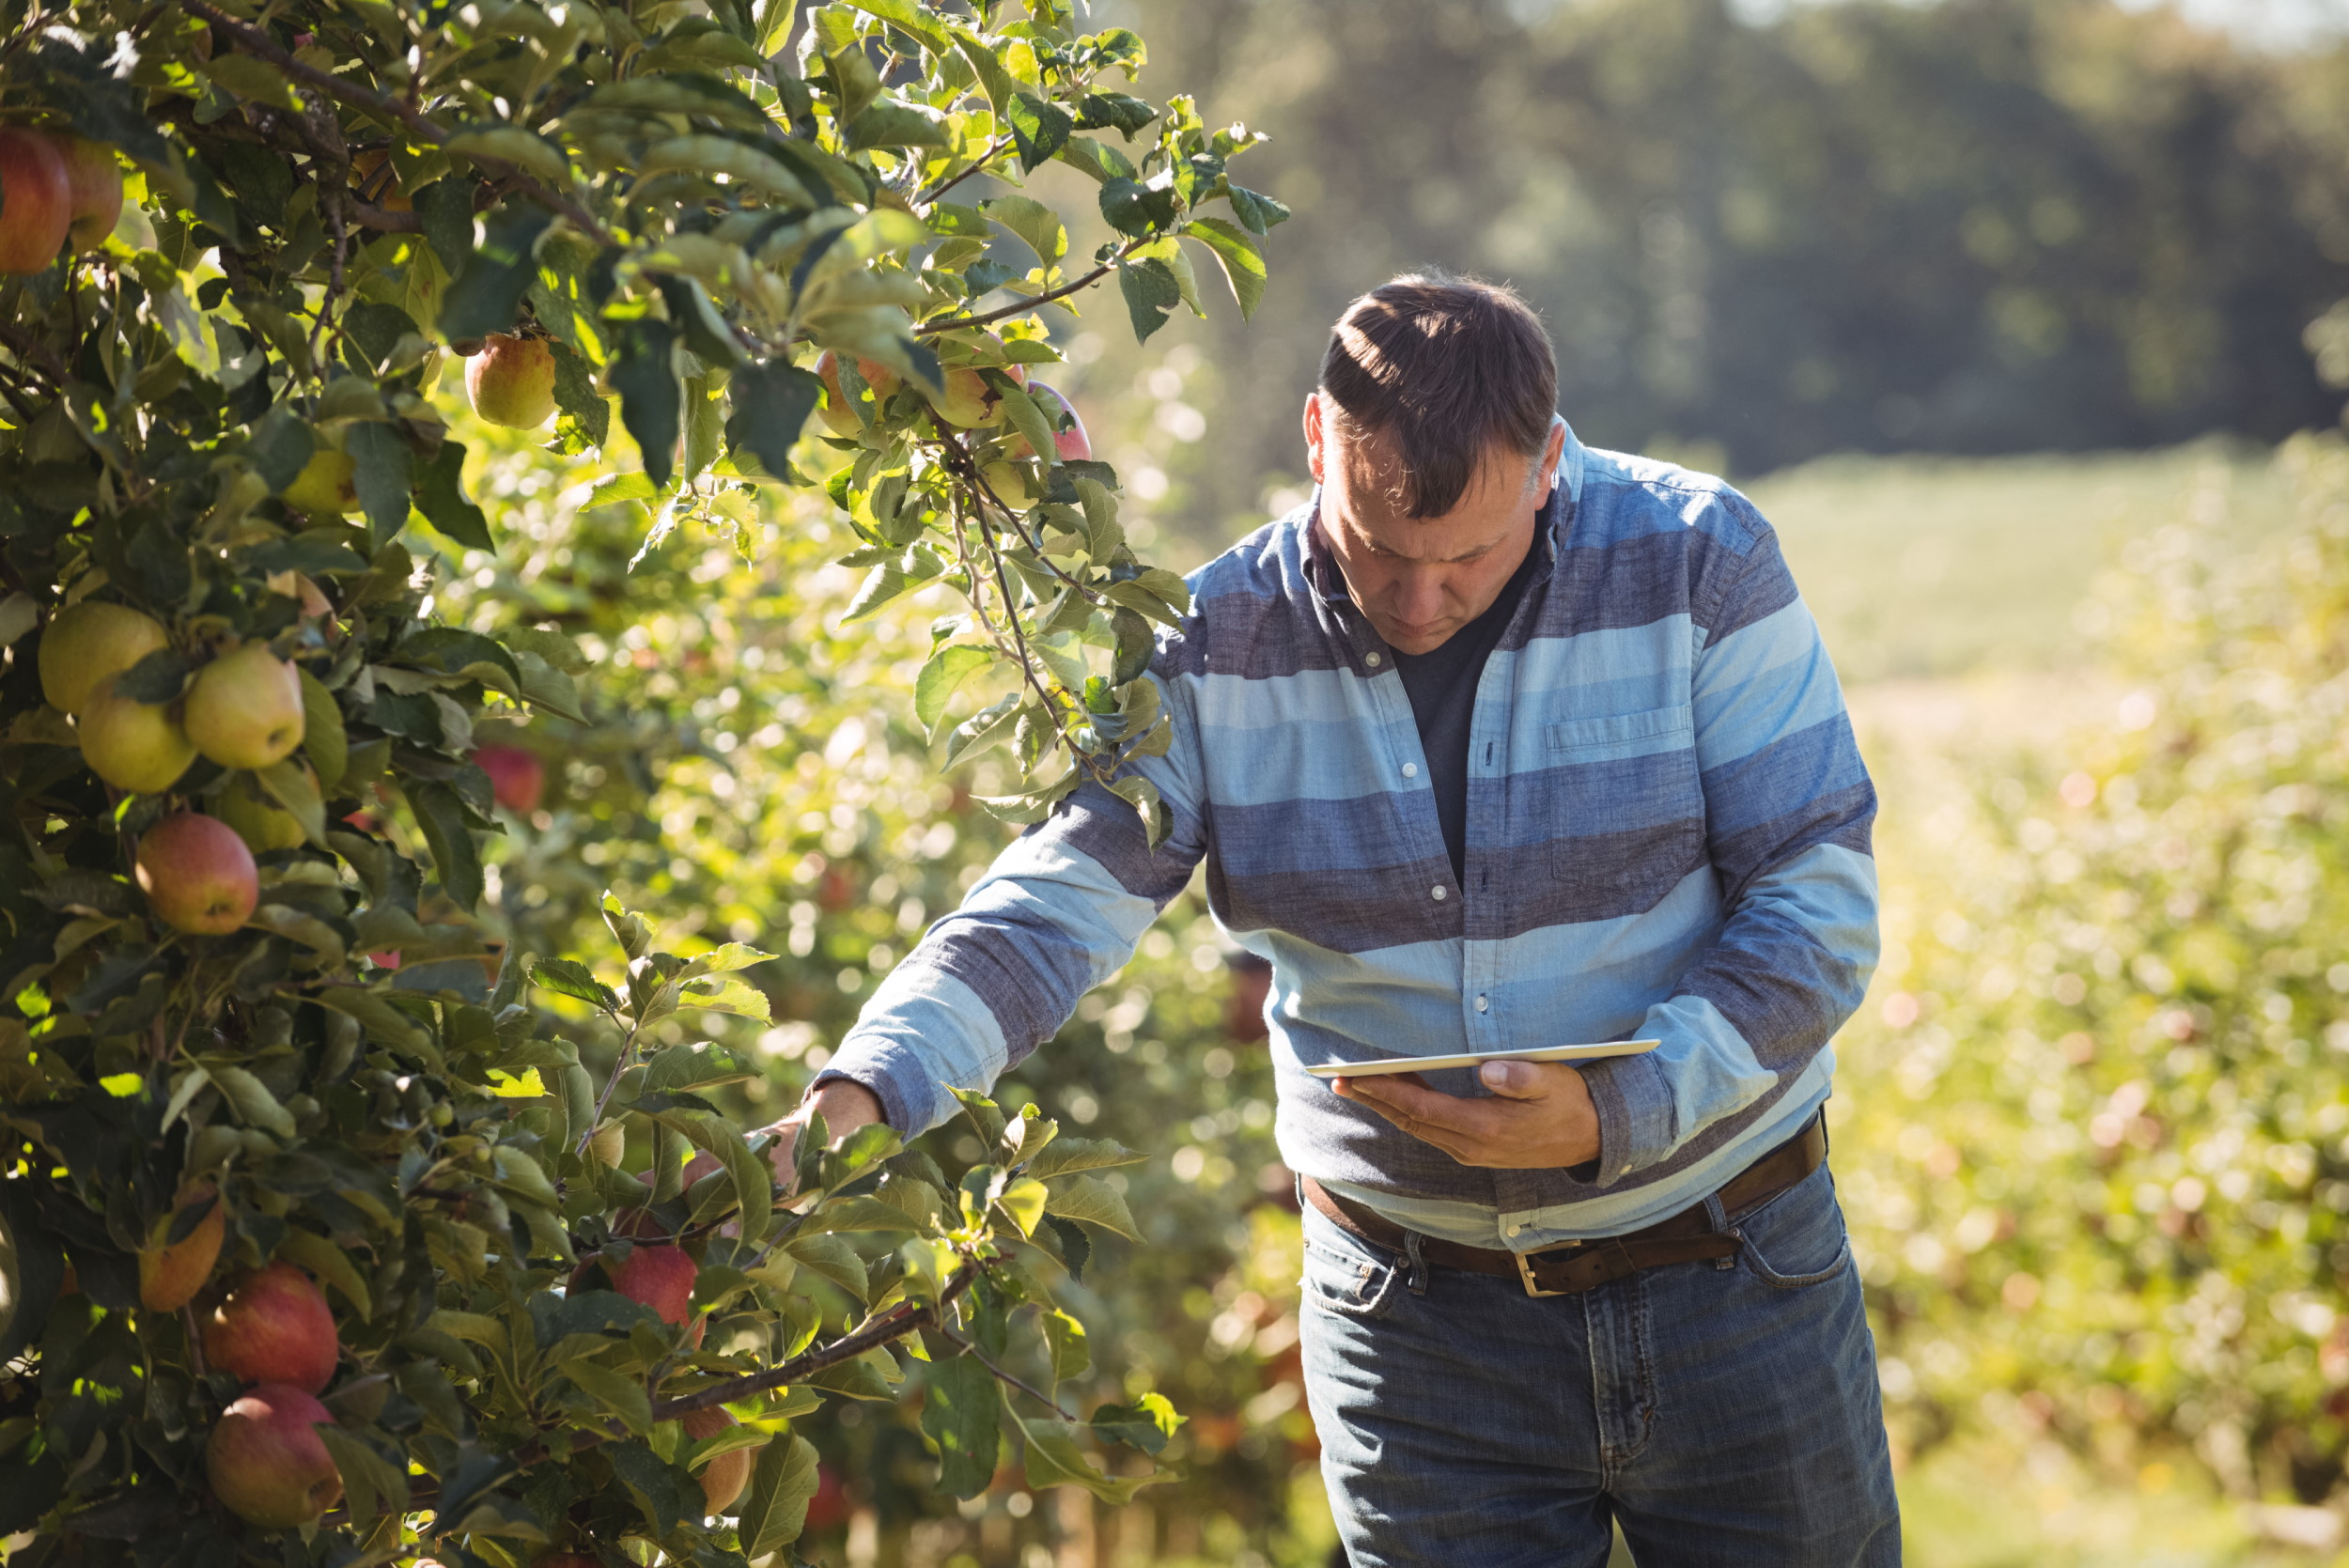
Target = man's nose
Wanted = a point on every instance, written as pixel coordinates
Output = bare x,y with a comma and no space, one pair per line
1418,594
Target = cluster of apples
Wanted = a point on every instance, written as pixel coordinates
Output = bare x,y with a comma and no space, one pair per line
272,1331
53,186
243,711
969,401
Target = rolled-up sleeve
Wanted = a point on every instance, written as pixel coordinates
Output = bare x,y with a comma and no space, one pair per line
1789,810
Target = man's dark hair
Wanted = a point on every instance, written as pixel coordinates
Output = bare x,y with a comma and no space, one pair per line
1444,368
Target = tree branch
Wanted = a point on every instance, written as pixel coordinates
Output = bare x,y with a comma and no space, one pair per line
896,1324
252,40
930,328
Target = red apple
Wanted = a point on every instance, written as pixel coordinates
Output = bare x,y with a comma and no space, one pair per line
198,874
245,708
85,643
517,777
1069,441
94,183
660,1276
511,381
274,1328
266,1461
35,200
968,400
836,413
722,1478
133,746
830,1504
171,1272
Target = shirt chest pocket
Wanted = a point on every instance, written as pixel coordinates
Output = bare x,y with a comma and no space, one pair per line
1619,736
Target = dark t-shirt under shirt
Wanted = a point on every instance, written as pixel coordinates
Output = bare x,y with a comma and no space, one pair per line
1442,687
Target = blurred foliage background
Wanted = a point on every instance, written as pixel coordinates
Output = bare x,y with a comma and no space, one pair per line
2002,310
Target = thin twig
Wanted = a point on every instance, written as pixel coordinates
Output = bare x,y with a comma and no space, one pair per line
994,150
1001,1376
257,42
1030,301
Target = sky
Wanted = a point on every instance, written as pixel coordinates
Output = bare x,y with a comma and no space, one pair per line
2269,24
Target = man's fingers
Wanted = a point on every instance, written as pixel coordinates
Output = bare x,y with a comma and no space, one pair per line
1472,1117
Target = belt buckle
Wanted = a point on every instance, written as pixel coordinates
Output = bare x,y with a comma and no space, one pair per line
1525,1268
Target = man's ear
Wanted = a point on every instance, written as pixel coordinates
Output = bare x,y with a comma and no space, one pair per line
1312,434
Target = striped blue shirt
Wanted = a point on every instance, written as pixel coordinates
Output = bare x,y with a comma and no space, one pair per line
1668,835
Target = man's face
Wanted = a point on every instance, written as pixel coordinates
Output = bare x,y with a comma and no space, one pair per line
1420,579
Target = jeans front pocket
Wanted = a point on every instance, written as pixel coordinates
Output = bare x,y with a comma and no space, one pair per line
1348,1282
1796,1238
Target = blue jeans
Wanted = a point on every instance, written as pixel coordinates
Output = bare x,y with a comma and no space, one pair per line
1722,1414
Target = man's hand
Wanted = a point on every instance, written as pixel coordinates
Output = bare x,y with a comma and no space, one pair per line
1540,1118
846,1106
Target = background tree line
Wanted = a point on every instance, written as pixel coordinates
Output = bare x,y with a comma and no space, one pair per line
1974,227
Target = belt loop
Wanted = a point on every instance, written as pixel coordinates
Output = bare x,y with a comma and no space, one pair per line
1417,1278
1718,1217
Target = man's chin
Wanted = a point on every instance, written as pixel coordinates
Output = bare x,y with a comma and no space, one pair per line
1413,640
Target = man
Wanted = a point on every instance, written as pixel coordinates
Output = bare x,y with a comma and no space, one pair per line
1501,741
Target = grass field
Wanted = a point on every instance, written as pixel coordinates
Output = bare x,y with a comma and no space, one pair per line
1938,567
1951,596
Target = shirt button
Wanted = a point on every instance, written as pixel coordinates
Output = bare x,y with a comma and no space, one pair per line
1515,1229
1482,1004
1437,893
1371,660
1411,770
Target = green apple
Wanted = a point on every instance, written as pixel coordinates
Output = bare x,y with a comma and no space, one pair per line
968,400
259,819
134,746
511,381
245,708
326,485
266,1461
94,186
198,875
723,1478
838,414
85,643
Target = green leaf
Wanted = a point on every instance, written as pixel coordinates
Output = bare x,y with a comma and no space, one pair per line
442,816
380,460
1032,416
441,497
1066,1337
652,401
725,960
1135,208
1145,1424
1064,1155
1094,1201
721,994
625,1397
1256,212
1136,645
1023,1200
1151,291
834,1259
1038,129
1033,221
1055,1460
769,404
945,670
995,82
254,1104
892,123
444,208
487,296
372,1484
296,792
511,143
568,977
962,1413
775,1507
323,741
586,415
331,1263
1242,256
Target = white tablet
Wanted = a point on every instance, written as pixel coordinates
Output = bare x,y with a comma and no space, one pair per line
1471,1059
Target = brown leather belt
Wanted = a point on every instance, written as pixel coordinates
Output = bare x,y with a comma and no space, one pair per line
1572,1266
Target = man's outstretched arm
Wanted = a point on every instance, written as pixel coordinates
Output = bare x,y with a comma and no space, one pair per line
1059,911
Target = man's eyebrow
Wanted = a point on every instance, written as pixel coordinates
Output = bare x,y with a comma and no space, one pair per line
1378,548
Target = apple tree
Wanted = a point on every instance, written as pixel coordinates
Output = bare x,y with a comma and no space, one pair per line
327,1239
